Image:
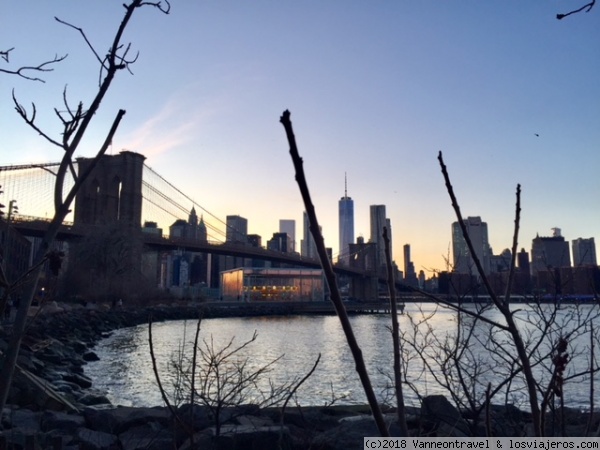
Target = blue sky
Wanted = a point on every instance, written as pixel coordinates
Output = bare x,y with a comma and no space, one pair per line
375,89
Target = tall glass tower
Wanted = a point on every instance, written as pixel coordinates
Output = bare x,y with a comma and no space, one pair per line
378,221
346,224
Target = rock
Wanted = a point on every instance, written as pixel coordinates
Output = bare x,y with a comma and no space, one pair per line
78,346
96,440
93,399
23,419
90,356
202,417
441,419
118,420
67,423
150,436
349,435
243,437
80,380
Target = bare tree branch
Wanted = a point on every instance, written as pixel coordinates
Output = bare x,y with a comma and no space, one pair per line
30,120
336,299
23,71
587,8
4,53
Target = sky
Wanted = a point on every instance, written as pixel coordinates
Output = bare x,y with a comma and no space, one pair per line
376,89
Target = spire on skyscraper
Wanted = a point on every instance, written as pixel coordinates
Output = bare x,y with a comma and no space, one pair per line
345,186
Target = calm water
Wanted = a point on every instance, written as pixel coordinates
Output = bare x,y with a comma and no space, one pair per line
125,373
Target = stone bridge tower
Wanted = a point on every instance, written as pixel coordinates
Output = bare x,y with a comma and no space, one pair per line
112,194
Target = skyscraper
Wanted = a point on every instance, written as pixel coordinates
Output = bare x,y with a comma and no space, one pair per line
584,252
193,224
289,227
237,229
550,252
202,231
410,275
478,234
346,224
378,221
308,245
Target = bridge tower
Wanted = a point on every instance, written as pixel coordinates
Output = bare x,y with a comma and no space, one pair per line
113,192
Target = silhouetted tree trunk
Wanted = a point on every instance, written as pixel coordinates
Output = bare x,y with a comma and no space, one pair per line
75,124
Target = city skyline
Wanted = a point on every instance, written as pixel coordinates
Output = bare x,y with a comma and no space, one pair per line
375,91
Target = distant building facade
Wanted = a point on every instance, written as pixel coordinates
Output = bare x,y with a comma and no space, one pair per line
288,226
308,245
279,243
410,275
236,229
584,252
550,252
378,221
478,234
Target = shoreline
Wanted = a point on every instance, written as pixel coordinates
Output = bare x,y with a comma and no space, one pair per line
60,342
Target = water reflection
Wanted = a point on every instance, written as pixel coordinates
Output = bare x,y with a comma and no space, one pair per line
125,371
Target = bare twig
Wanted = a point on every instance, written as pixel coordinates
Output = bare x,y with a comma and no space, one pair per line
23,71
587,7
336,299
297,386
159,383
400,409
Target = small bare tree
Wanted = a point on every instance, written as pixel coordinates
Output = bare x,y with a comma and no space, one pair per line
75,121
222,378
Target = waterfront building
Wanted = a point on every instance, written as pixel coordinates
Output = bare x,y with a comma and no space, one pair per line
288,226
346,225
253,284
584,252
478,234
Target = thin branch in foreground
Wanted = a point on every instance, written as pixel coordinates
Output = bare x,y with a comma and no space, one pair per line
400,410
336,298
159,383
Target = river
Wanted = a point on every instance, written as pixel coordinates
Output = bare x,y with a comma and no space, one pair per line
124,372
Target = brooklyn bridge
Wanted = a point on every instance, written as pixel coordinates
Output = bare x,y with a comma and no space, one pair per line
124,193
